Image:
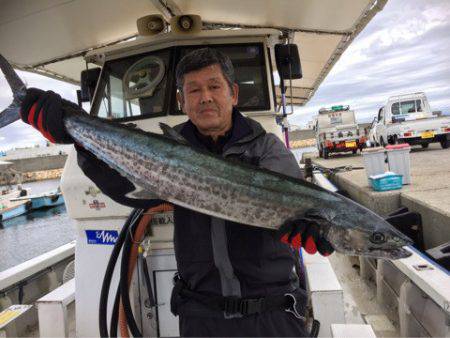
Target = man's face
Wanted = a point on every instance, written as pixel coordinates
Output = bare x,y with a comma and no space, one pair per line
208,100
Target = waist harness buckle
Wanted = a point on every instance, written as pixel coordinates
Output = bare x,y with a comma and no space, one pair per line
236,305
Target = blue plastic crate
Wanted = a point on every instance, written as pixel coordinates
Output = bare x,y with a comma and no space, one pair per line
386,181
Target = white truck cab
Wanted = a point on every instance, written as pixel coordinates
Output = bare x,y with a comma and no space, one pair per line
408,118
337,131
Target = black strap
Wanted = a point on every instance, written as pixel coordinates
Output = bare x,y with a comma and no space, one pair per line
244,306
230,285
294,303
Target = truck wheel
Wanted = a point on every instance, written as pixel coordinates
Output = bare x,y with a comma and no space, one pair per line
325,153
354,151
425,145
393,140
445,142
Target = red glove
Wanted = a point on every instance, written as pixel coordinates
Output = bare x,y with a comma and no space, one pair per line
305,233
45,112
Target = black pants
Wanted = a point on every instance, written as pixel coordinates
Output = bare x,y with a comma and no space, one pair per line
269,324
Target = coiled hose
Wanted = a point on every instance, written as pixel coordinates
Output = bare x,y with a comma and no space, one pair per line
103,306
129,260
128,241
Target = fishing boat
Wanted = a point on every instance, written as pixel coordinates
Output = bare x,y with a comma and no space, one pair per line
323,31
10,209
45,200
8,193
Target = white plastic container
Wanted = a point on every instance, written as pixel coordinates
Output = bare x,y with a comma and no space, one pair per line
374,161
398,160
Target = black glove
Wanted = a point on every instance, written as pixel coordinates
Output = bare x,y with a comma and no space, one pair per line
110,181
305,233
45,112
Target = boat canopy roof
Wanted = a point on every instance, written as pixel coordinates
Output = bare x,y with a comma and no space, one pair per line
51,37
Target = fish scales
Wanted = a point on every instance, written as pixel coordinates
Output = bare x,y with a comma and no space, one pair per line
184,176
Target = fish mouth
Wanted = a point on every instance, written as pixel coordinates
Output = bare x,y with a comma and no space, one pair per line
389,253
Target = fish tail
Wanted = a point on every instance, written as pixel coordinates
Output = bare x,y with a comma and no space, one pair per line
11,114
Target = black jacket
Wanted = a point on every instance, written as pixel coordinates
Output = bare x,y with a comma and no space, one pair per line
259,264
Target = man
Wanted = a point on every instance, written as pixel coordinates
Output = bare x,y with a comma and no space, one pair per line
234,280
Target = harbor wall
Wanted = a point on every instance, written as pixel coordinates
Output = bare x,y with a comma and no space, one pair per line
33,176
36,164
33,164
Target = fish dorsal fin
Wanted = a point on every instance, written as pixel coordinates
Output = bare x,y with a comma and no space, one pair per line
171,133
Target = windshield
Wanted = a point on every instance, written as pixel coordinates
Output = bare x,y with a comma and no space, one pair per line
134,86
144,84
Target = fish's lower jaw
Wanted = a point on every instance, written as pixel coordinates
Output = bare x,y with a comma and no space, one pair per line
390,254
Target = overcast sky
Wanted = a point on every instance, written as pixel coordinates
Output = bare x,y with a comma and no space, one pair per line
405,48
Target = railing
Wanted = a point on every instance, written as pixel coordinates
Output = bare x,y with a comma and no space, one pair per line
18,274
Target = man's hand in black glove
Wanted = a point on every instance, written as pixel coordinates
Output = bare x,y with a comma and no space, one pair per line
110,182
45,112
305,233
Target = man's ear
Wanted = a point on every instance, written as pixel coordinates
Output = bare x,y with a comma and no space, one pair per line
235,94
180,100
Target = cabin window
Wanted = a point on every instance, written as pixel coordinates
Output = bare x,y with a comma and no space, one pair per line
134,86
395,108
418,105
144,85
406,107
380,113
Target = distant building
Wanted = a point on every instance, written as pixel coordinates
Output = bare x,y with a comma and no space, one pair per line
310,124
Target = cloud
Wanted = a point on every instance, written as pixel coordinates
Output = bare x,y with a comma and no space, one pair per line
405,48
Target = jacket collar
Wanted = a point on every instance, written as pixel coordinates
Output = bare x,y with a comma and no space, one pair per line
243,130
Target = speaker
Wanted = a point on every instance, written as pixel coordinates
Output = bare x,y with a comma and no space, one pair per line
89,78
288,61
188,23
151,25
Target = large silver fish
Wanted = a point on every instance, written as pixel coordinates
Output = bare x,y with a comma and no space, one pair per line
230,190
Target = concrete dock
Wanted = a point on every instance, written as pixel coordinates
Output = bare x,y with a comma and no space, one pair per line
428,193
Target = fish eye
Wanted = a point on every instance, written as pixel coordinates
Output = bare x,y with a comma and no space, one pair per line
377,238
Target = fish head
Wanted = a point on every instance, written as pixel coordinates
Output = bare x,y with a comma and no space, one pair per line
376,244
363,233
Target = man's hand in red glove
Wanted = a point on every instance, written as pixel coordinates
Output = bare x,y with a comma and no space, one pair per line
305,233
45,112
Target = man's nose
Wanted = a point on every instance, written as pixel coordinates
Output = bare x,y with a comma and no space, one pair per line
206,96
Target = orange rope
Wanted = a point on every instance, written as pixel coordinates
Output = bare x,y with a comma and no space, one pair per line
137,238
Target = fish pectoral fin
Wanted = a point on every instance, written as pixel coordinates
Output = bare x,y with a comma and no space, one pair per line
171,133
313,214
140,193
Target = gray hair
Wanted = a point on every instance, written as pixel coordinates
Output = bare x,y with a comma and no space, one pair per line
201,58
